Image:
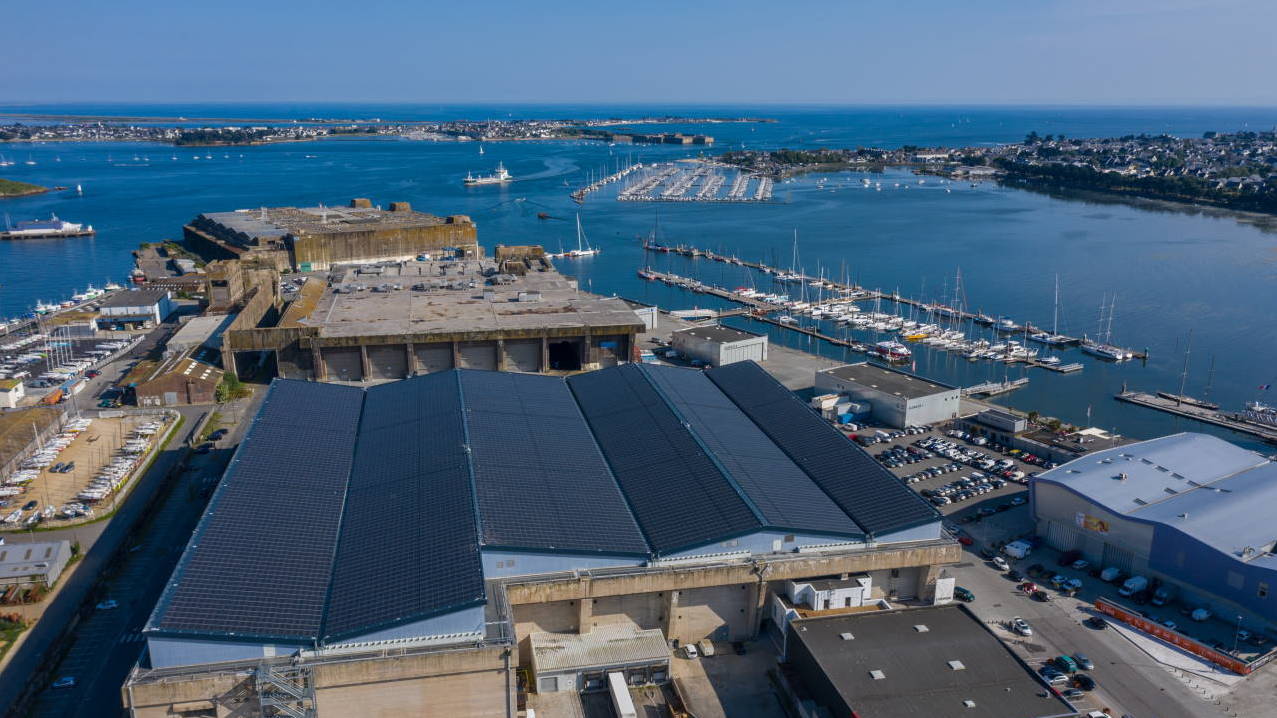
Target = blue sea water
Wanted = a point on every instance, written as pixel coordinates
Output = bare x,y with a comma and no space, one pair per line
1172,269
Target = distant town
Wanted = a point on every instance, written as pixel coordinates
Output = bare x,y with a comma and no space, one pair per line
164,130
1233,170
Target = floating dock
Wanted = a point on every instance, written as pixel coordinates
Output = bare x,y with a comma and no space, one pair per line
581,193
994,388
702,183
1228,420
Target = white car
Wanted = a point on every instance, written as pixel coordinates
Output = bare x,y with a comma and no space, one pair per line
689,651
1000,563
1021,626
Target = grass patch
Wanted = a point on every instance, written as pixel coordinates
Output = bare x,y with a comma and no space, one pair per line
10,188
11,626
214,423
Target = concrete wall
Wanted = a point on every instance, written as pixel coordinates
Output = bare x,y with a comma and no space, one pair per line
320,252
497,564
166,652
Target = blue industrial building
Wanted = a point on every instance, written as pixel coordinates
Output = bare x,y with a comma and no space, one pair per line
1190,511
352,515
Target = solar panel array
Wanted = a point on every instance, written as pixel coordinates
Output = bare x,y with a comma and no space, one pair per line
409,545
784,495
541,480
877,501
678,495
260,560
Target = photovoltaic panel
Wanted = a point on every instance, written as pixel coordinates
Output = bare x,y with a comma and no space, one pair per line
540,479
409,544
785,495
680,498
259,562
877,501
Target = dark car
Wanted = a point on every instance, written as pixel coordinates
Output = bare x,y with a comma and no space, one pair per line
68,467
1014,575
1097,623
1084,681
56,468
30,505
1040,595
204,448
217,434
963,594
93,373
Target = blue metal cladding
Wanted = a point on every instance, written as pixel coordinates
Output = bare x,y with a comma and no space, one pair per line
680,498
540,479
877,501
259,563
409,544
786,497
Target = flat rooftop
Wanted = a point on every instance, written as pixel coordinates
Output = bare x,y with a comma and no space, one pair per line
891,381
918,678
718,333
604,646
453,296
134,298
279,221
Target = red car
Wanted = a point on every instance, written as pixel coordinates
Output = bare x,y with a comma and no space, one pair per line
93,373
965,540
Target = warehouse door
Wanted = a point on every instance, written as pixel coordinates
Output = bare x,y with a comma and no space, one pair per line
1063,536
387,362
170,398
1119,558
343,363
434,357
523,355
479,355
550,684
565,355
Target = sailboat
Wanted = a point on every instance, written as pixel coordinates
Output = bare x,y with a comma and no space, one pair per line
1104,331
480,149
583,248
1054,339
793,275
1182,398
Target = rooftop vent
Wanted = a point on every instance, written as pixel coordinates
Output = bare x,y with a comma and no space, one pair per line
877,675
921,628
956,666
846,636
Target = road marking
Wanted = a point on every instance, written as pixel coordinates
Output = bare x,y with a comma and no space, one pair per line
130,638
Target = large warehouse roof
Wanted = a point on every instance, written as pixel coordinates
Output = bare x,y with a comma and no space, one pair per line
1205,487
347,511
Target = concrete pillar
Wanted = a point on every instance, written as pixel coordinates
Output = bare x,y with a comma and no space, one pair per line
671,614
317,361
500,355
412,359
456,355
228,362
364,366
545,354
755,595
927,576
585,615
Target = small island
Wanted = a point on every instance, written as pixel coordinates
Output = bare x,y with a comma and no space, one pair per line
10,188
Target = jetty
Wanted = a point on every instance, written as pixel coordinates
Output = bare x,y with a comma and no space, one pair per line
994,388
581,193
939,311
702,183
1234,421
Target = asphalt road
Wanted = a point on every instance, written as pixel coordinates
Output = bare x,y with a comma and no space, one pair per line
1130,682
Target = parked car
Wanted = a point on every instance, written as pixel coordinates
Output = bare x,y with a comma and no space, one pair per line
1000,563
64,682
1072,693
1097,623
108,605
1021,626
962,594
1014,575
1065,663
1084,681
689,651
1083,662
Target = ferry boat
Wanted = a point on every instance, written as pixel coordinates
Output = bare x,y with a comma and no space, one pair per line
52,228
501,176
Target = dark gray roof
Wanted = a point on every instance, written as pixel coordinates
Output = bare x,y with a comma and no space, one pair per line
134,298
718,333
891,381
862,487
918,681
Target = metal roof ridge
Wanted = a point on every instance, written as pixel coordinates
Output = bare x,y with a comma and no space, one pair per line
476,516
341,523
645,371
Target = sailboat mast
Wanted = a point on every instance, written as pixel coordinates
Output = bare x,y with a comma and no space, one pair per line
1183,375
1055,317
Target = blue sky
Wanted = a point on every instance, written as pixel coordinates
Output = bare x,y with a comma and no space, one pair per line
1111,52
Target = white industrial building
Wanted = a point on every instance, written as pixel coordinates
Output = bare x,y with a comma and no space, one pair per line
718,345
11,392
896,398
1189,512
39,563
135,309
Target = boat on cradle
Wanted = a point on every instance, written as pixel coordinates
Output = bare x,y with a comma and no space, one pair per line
52,228
501,176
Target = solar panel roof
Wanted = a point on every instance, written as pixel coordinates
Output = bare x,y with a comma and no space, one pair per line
679,496
409,544
877,501
785,496
534,461
276,513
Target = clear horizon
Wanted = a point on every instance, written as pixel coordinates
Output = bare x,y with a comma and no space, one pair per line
1172,53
